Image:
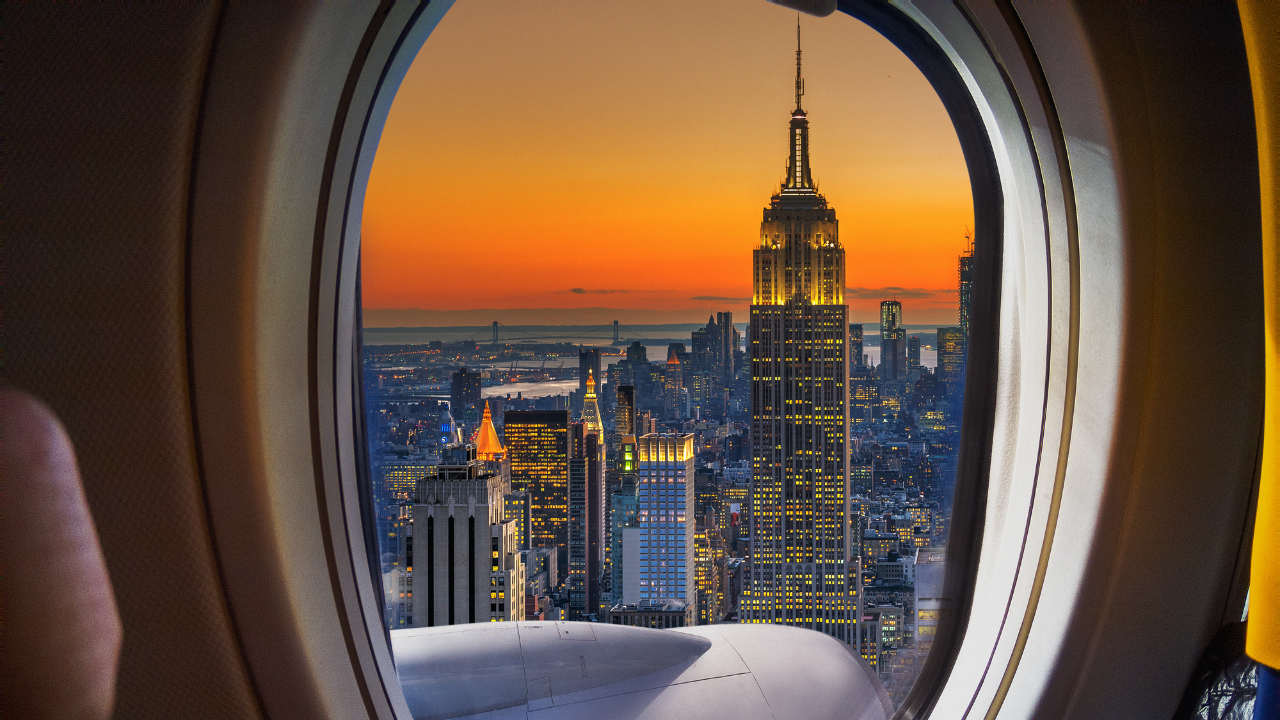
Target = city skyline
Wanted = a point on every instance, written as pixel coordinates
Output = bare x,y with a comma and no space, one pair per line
642,155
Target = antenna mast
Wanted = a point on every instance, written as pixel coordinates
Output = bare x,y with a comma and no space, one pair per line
799,80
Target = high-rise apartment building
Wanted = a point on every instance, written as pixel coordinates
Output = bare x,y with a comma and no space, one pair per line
538,452
799,407
665,478
855,345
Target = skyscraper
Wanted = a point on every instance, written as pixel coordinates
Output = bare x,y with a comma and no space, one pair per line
588,367
799,406
637,354
624,411
463,552
893,342
951,363
586,521
538,450
673,383
624,540
966,292
591,408
913,358
464,394
665,469
855,345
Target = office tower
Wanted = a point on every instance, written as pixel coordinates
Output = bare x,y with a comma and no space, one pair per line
735,510
930,568
538,452
951,363
519,511
673,383
624,523
586,522
588,367
664,464
893,349
913,358
637,354
710,569
799,406
855,345
646,423
880,637
729,341
461,556
464,394
966,291
704,346
890,315
624,411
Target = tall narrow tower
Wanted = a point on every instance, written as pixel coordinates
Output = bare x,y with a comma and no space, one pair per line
800,566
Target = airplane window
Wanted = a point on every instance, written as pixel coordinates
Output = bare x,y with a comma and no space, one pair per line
622,358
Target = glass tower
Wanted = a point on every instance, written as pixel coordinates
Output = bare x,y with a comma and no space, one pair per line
800,570
538,450
666,493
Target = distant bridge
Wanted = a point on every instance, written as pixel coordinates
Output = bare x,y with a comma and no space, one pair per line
600,332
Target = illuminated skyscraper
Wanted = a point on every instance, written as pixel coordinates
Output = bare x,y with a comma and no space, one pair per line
673,383
462,554
966,292
586,521
538,450
855,345
591,408
464,394
664,464
488,446
913,358
951,362
588,367
624,411
799,406
893,342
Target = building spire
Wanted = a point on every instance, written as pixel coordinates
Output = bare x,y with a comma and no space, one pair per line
799,177
799,79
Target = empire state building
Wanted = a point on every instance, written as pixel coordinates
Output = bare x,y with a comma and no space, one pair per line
801,572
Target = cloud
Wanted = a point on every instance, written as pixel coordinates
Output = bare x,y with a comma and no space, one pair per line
889,293
717,298
584,291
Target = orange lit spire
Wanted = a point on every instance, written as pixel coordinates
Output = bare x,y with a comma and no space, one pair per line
591,408
488,446
671,357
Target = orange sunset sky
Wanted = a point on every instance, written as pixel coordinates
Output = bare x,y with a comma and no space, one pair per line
580,162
